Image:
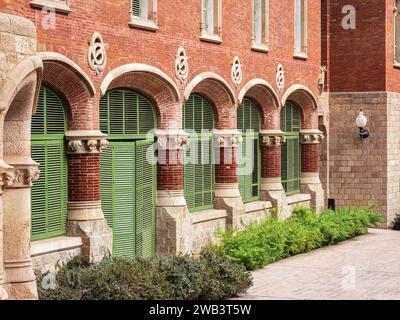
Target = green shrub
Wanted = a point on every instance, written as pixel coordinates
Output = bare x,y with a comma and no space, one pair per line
209,276
261,244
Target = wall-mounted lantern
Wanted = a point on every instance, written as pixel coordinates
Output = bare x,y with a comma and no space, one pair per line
361,122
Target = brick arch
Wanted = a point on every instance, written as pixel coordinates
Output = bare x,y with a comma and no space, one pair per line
74,86
263,93
217,91
306,101
154,84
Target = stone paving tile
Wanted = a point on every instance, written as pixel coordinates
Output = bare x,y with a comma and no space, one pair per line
366,267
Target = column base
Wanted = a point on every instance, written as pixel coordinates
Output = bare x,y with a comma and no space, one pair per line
84,210
227,197
272,190
22,280
174,226
311,184
3,291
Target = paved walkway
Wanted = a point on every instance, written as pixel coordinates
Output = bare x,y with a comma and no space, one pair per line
366,267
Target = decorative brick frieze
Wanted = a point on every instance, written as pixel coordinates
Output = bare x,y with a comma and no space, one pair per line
313,136
86,142
272,138
227,138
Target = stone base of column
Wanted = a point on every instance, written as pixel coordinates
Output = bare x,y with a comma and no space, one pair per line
311,184
22,280
86,220
227,197
174,226
3,291
272,190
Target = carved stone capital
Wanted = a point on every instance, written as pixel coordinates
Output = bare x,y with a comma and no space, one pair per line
312,136
86,142
22,174
227,138
272,138
171,139
6,176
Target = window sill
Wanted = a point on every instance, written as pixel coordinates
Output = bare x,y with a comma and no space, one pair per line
208,215
58,5
41,247
300,56
257,206
260,49
396,65
211,38
143,24
298,198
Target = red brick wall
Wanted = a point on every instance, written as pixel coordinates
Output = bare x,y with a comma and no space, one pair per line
17,7
357,57
310,158
84,177
270,162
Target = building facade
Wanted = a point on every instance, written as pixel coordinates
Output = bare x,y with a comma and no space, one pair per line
141,127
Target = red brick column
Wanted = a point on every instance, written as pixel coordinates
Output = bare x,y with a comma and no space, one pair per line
227,195
85,216
271,181
310,181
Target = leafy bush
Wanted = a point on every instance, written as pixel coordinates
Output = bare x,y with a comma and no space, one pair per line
396,222
261,244
209,276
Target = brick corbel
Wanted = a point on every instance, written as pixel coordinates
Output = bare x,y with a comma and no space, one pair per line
311,136
86,142
271,138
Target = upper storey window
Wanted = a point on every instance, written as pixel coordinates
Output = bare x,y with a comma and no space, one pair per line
397,33
211,20
300,28
261,25
58,5
144,14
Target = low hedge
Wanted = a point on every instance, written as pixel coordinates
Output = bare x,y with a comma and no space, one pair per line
272,240
207,277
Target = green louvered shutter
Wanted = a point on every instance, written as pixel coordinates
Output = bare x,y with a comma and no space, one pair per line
49,193
128,180
146,172
136,8
249,122
290,156
199,169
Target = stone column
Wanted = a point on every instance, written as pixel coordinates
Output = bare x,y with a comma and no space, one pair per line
17,228
174,227
85,216
310,181
227,195
6,179
271,179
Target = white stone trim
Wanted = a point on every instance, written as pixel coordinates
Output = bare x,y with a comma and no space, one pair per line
85,141
311,136
298,198
59,5
170,198
227,190
84,211
258,82
14,80
310,178
208,215
271,184
299,87
46,246
138,67
205,76
59,58
171,139
257,206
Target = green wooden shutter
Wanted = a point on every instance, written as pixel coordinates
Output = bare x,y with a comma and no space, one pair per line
49,193
126,115
290,154
136,8
146,172
199,171
128,179
248,117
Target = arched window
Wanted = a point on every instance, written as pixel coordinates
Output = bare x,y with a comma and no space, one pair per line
199,172
248,117
291,158
49,193
129,173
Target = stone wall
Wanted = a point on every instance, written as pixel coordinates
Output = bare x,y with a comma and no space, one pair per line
359,171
